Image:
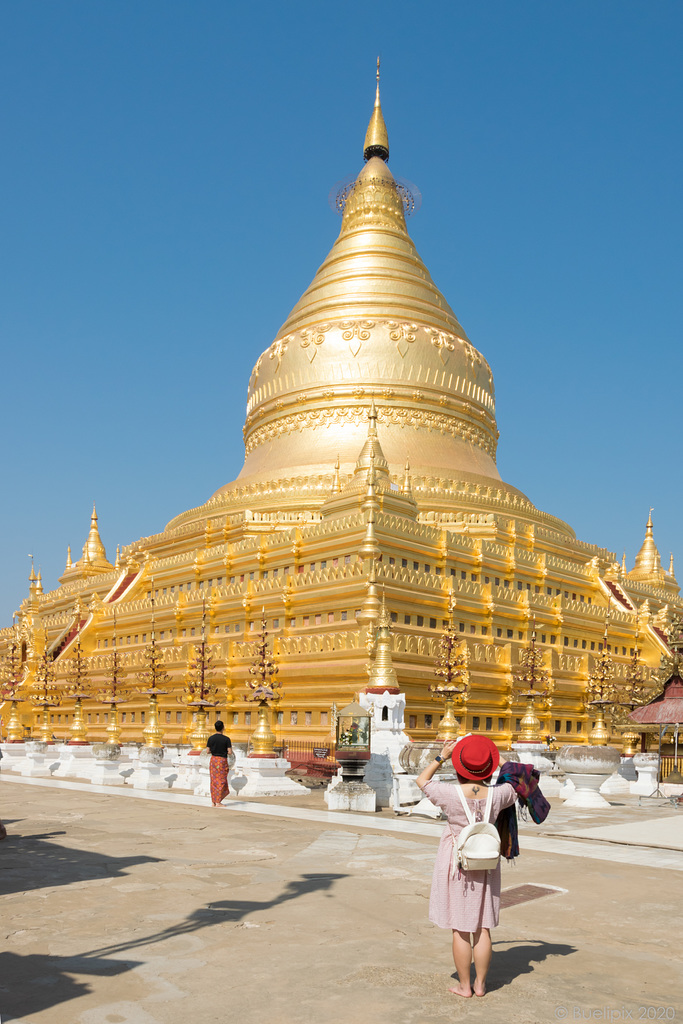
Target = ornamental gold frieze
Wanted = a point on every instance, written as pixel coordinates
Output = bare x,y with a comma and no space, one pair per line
399,416
409,340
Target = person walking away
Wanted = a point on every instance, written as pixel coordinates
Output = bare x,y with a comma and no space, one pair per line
220,746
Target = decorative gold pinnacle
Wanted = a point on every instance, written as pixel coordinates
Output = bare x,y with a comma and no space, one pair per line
601,691
453,672
376,137
201,693
531,682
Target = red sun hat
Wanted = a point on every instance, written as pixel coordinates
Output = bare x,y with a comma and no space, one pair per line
475,757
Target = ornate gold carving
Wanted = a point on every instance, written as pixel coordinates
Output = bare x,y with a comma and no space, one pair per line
403,334
316,336
255,371
278,349
398,331
403,417
355,332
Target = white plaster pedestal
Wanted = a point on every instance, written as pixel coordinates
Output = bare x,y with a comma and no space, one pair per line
535,754
265,776
352,796
186,769
587,767
615,785
107,765
13,756
405,791
37,762
150,771
647,766
75,762
566,789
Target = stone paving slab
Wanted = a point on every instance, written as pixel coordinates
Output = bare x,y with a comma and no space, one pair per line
157,912
665,833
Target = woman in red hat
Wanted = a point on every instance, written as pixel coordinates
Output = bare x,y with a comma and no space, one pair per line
467,902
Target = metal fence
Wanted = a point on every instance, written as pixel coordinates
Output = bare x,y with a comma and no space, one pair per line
306,750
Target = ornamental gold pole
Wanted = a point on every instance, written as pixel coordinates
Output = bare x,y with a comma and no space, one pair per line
265,689
201,693
15,732
452,670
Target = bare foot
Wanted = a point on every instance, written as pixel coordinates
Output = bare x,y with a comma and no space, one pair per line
457,990
479,989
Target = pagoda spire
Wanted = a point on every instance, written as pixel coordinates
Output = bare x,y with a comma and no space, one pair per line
648,565
406,486
383,674
336,482
93,549
372,449
376,137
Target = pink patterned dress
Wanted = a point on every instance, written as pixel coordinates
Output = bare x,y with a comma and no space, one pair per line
471,901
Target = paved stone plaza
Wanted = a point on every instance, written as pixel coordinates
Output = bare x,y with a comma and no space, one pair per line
149,909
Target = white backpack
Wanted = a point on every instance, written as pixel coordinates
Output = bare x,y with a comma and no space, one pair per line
477,847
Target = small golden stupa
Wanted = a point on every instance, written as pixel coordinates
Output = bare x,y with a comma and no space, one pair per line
370,369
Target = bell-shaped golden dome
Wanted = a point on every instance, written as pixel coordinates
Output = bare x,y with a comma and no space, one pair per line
372,324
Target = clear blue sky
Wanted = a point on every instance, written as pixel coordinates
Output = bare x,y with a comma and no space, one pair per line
163,204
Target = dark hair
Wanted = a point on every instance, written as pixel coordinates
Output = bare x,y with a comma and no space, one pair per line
219,726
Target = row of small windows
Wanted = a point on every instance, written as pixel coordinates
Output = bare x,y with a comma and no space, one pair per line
329,617
428,721
244,718
335,562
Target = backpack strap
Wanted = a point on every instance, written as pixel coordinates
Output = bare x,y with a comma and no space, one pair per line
489,804
468,812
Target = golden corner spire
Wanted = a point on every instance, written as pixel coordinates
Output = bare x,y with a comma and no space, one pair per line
376,137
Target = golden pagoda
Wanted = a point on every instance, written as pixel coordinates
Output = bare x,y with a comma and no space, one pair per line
370,465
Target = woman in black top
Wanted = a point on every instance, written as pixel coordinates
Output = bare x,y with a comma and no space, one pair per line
219,744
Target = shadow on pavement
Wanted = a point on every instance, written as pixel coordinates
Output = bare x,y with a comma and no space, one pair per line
227,912
39,982
508,964
33,862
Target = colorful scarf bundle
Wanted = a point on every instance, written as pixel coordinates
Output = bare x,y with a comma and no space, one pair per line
524,780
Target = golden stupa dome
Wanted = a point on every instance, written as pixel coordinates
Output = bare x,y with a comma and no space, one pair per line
371,325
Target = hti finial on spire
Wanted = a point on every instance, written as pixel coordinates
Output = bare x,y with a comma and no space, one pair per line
376,137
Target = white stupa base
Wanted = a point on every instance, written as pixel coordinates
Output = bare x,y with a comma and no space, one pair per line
74,762
186,770
265,776
13,756
615,784
405,791
427,808
38,760
107,773
150,771
552,784
151,777
107,768
587,793
647,766
535,754
352,796
567,789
